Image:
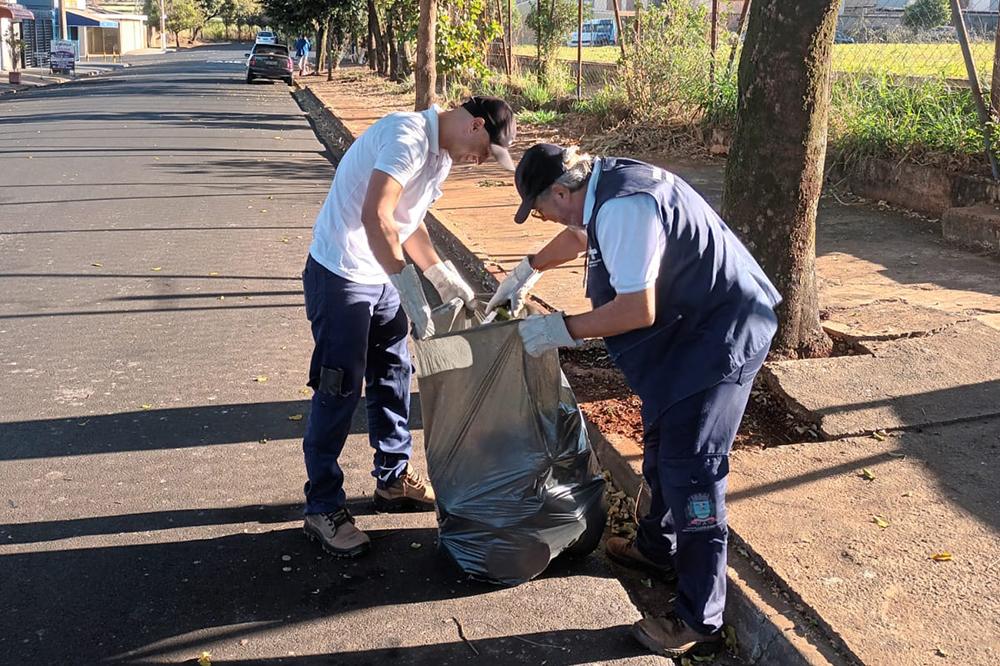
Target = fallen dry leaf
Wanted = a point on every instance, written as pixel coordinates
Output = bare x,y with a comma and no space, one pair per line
212,274
295,417
98,264
147,406
205,659
867,474
943,556
416,546
880,521
879,435
156,269
260,379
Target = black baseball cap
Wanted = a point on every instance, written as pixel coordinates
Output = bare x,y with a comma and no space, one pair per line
499,123
540,166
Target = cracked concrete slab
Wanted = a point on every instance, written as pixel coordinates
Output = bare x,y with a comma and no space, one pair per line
809,512
885,320
950,376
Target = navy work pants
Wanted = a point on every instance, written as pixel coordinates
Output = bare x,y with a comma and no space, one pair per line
685,464
360,334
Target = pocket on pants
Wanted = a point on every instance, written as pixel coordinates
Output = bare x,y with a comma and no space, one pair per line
698,486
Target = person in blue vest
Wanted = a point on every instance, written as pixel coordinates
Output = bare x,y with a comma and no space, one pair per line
687,314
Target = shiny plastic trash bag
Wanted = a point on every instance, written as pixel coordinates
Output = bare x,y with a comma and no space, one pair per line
507,451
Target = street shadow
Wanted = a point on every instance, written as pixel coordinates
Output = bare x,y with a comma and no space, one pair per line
565,647
247,167
160,598
171,428
72,528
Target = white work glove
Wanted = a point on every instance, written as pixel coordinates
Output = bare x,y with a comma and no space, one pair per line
449,284
413,301
515,288
541,333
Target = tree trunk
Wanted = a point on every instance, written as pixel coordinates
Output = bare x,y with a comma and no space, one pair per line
426,72
321,51
403,53
390,41
370,48
381,54
774,173
337,41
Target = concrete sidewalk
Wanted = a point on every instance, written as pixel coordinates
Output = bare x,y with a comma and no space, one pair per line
35,77
871,260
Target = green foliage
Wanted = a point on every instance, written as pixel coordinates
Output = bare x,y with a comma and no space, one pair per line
464,30
925,121
552,21
926,14
539,117
609,105
667,75
183,15
534,94
494,85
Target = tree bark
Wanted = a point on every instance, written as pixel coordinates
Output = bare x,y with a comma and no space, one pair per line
321,51
381,53
425,75
774,173
390,40
370,44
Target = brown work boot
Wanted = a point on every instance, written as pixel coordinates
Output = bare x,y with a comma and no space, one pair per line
624,552
337,534
409,492
672,637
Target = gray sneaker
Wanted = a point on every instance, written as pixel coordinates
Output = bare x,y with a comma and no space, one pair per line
337,534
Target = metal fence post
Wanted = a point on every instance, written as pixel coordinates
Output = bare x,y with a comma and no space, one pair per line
579,48
977,92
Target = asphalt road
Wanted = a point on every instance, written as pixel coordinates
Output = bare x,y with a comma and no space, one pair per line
153,350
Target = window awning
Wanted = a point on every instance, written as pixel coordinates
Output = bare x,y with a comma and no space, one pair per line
16,12
88,18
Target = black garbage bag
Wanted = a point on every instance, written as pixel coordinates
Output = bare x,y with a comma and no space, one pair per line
507,451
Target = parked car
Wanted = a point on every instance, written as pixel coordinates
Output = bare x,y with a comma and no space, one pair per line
266,37
841,38
269,61
596,32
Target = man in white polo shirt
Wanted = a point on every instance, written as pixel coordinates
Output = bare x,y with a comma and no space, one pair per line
360,293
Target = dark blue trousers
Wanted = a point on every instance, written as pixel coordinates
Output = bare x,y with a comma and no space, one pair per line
685,464
360,334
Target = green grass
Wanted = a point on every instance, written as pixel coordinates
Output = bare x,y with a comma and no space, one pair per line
912,59
899,59
606,54
539,117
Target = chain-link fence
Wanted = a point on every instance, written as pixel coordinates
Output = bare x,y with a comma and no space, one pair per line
900,83
874,37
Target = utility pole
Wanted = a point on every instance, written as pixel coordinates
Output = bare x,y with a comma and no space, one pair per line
163,27
63,30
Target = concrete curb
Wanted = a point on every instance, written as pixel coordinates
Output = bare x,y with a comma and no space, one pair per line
769,629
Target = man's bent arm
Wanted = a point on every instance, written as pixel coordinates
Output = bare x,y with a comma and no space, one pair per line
627,312
377,216
566,246
420,249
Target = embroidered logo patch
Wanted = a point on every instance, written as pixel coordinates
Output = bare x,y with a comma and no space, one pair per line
593,257
700,513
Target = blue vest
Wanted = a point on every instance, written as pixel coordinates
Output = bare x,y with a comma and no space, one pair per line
714,305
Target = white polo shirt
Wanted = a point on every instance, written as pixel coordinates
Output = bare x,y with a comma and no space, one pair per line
403,145
631,236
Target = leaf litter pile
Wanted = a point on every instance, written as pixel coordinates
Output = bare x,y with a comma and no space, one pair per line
607,401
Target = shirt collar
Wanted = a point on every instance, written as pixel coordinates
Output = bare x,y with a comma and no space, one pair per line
433,128
588,202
